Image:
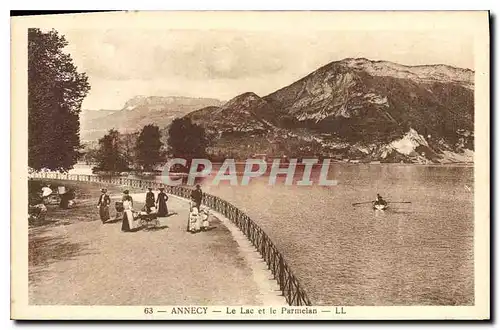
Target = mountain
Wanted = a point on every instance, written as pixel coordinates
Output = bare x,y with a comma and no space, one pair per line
87,117
140,111
245,113
356,109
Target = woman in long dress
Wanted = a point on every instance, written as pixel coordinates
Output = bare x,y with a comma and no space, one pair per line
150,200
161,203
128,216
103,205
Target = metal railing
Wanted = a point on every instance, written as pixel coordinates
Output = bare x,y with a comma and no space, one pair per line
288,283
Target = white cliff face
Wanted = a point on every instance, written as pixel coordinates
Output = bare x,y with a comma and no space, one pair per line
376,99
452,157
409,142
328,94
406,145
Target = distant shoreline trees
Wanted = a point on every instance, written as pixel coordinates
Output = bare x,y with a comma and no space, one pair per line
144,150
124,152
110,155
148,148
55,94
187,140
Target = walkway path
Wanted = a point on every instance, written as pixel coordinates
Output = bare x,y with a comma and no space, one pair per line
95,264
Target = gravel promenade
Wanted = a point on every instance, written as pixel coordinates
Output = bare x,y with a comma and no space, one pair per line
90,263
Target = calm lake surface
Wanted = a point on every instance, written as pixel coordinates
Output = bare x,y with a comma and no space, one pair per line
411,254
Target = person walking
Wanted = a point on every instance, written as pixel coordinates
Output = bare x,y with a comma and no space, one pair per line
150,200
197,196
128,215
161,203
103,205
127,197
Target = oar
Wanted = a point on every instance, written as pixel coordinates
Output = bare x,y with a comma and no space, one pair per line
399,202
361,203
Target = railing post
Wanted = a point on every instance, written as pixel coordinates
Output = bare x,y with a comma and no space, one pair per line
281,274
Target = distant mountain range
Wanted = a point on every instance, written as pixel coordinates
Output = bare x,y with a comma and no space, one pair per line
138,112
354,109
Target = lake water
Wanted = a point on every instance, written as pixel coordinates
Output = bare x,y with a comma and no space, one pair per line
411,254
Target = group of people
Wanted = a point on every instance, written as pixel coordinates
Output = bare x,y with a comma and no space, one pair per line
198,216
160,206
37,205
124,209
155,206
67,196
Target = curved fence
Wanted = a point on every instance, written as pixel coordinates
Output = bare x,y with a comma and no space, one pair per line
288,283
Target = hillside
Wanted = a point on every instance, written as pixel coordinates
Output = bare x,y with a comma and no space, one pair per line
355,109
140,111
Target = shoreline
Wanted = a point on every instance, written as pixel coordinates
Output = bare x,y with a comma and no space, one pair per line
333,164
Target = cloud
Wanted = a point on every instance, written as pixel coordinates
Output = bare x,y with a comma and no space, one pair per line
122,63
125,55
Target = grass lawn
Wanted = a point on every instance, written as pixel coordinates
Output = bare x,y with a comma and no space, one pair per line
85,208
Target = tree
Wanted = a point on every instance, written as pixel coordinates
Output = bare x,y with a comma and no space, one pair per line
55,94
110,157
90,154
187,140
148,148
128,142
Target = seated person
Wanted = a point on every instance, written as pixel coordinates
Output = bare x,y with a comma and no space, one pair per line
380,200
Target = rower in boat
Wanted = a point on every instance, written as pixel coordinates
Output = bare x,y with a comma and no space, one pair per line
379,203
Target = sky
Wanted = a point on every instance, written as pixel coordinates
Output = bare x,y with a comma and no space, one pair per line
122,63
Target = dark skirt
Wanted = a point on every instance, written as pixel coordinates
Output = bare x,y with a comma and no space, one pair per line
125,224
104,213
162,209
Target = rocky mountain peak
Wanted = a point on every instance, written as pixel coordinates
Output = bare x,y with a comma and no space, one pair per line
243,100
357,107
418,73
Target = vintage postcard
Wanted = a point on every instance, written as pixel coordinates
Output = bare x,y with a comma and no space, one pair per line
251,166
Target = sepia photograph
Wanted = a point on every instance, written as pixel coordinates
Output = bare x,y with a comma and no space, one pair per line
250,165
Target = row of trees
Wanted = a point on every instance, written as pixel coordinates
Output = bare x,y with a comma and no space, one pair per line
144,151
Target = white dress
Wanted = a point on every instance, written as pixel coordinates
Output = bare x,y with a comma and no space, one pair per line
46,191
204,219
128,215
194,220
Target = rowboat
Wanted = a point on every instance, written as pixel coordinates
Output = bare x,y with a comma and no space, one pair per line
381,207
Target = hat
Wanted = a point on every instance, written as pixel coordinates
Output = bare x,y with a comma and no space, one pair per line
150,188
125,191
161,189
